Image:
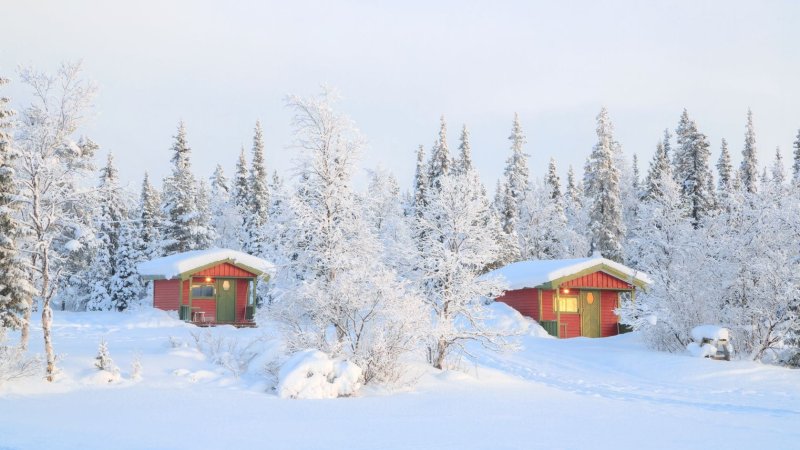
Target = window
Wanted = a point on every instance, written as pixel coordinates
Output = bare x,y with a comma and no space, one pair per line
200,290
568,304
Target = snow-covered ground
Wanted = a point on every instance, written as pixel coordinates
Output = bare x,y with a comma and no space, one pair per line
553,394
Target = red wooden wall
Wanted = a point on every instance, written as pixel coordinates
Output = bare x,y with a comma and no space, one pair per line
241,299
599,280
608,320
224,270
165,294
526,301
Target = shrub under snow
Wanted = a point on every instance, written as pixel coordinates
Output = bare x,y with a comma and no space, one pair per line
311,374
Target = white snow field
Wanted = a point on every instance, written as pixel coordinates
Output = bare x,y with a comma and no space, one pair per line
607,393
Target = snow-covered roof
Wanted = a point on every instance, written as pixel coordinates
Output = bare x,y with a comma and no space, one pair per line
533,273
172,266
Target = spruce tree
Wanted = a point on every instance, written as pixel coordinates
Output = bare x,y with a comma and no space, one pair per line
241,196
554,182
126,284
420,181
749,167
603,191
516,176
225,220
659,168
636,177
725,169
204,233
150,219
439,165
692,173
109,222
796,164
464,161
180,199
258,202
573,193
778,172
15,289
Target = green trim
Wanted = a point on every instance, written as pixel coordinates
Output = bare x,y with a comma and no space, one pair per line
191,297
596,268
180,293
558,312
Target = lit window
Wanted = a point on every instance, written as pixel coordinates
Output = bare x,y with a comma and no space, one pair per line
568,304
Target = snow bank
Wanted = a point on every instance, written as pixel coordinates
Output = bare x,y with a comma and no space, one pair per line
701,351
508,320
529,274
711,332
312,374
173,265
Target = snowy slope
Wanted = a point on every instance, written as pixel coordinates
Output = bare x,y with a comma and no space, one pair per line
566,394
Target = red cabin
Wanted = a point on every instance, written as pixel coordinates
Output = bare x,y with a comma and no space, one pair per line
570,297
207,287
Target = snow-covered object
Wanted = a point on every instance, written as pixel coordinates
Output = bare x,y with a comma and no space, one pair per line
508,321
529,274
701,351
710,332
311,374
169,267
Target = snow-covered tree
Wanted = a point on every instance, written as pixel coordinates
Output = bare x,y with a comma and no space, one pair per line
384,215
457,245
15,289
516,178
112,212
725,170
554,181
50,168
182,229
464,161
796,163
150,219
659,168
749,167
601,184
542,235
420,181
255,219
225,218
439,165
692,171
126,285
205,234
334,293
777,170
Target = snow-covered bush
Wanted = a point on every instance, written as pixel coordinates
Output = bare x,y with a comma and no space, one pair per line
311,374
14,363
226,352
109,372
136,367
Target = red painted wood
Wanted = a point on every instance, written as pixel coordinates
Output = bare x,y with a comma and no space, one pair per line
608,320
207,305
224,270
526,301
165,294
570,325
547,305
186,288
599,280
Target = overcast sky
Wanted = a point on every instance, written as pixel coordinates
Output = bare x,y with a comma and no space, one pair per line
400,65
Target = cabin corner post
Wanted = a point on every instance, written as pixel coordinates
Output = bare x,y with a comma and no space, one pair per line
191,319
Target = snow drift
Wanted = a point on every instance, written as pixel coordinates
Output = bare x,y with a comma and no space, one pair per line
311,374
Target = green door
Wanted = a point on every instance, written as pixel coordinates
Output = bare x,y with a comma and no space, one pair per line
590,313
226,300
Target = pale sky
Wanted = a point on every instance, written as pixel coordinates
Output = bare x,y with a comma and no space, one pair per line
400,65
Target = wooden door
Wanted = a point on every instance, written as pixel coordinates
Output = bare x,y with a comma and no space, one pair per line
590,313
226,300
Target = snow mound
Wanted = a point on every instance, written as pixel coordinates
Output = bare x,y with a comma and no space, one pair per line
711,332
701,351
311,374
508,320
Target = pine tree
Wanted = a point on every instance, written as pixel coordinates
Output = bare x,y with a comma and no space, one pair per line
420,181
659,168
112,214
241,196
180,200
516,176
225,219
636,177
603,191
204,234
150,219
749,167
778,171
796,164
126,284
725,169
554,182
464,161
258,202
573,193
439,165
692,172
15,289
